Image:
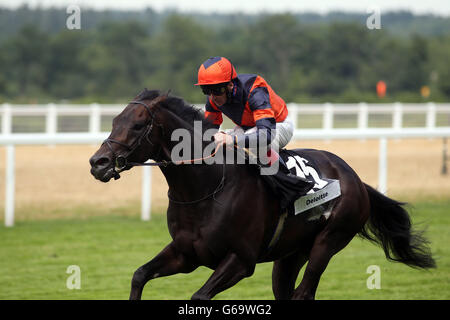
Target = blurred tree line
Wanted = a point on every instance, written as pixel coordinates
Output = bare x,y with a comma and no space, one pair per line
303,62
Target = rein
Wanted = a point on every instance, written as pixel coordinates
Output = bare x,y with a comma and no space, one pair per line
219,187
165,163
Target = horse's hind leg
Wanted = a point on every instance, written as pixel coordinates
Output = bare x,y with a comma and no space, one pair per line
284,275
168,262
325,246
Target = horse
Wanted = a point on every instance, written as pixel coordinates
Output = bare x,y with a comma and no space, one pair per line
223,216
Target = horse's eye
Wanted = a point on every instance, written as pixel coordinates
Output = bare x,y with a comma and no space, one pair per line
138,126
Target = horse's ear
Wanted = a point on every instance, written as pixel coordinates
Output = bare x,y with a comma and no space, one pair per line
163,96
158,99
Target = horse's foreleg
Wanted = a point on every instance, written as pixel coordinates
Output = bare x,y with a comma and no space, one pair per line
229,272
167,262
284,274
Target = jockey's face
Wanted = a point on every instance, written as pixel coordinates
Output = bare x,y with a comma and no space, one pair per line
221,99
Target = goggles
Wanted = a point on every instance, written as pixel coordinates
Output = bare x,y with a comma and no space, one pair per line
217,89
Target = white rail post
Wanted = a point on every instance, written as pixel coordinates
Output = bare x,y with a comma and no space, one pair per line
382,166
363,116
397,117
431,115
10,186
328,116
95,118
7,119
51,124
146,193
293,113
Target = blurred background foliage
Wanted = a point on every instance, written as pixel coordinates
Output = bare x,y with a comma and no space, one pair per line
305,57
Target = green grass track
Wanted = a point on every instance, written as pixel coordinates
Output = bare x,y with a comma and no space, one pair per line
35,255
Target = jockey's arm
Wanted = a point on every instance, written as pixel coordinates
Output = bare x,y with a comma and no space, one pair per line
259,103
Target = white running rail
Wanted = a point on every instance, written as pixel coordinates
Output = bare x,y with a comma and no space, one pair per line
327,132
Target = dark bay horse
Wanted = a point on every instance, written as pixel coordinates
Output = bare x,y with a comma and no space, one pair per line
223,216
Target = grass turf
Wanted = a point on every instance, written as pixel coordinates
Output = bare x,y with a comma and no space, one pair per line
35,256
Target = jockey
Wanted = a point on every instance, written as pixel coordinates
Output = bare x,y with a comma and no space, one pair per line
260,115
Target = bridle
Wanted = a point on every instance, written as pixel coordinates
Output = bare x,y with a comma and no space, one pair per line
121,161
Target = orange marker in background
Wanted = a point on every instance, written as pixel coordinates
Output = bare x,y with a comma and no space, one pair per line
381,89
425,92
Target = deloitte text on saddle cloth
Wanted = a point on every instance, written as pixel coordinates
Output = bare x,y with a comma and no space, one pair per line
320,197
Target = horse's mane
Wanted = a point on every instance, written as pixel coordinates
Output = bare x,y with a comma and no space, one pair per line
179,107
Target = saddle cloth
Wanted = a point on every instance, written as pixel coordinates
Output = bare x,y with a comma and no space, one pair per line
324,189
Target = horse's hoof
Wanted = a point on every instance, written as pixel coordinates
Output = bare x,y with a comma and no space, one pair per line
199,296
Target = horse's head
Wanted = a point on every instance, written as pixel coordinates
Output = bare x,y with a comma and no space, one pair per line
135,137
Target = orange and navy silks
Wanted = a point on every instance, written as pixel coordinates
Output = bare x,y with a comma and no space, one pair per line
252,103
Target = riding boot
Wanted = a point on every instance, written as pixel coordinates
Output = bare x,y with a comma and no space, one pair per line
288,187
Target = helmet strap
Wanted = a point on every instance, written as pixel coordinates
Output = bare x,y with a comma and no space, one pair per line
229,92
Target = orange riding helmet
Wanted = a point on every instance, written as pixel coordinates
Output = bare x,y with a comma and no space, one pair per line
216,70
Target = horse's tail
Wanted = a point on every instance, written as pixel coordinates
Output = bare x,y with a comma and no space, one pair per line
389,225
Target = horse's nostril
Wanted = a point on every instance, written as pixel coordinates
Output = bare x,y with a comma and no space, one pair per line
99,162
102,162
